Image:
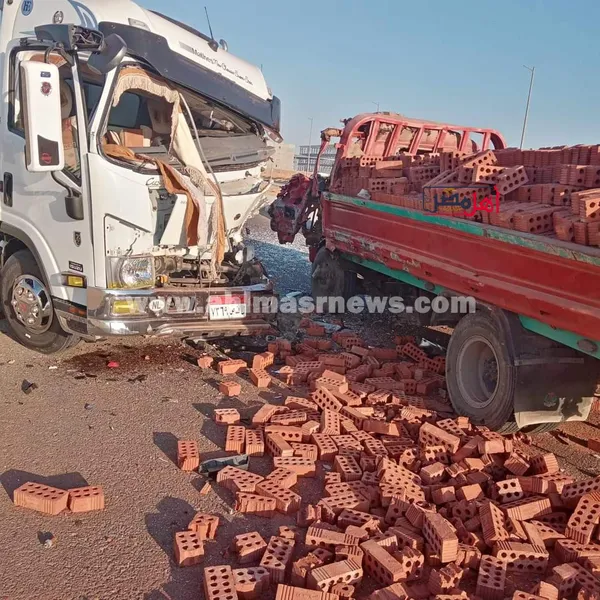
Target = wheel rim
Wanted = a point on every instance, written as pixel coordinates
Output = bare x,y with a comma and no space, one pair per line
32,304
477,372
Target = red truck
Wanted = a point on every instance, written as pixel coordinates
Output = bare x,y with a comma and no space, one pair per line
527,358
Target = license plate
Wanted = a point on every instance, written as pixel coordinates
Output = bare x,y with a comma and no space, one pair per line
224,308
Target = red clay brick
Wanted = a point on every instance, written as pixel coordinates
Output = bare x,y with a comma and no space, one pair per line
286,592
229,389
277,558
204,525
347,467
303,467
491,580
237,480
264,413
326,446
430,434
283,478
317,537
189,549
286,500
330,422
219,583
255,442
442,581
236,439
583,521
249,546
188,456
205,362
259,377
86,499
345,571
439,534
277,446
251,584
41,498
255,504
227,416
231,367
380,565
292,417
524,558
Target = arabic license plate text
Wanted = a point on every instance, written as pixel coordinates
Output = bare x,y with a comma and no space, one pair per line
217,312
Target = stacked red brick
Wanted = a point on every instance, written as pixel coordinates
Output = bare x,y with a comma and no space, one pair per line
550,191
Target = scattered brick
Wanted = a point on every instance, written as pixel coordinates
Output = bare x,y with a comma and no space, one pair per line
85,499
205,362
236,439
286,500
189,549
259,377
491,580
249,546
250,584
231,367
236,480
277,558
188,456
229,389
227,416
41,498
204,525
255,442
219,583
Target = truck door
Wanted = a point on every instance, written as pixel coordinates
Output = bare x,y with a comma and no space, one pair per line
50,212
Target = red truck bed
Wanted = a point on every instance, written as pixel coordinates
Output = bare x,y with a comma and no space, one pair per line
554,283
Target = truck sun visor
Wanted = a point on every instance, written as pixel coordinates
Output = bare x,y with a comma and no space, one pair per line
155,50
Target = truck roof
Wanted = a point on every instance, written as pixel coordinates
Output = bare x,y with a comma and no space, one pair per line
181,38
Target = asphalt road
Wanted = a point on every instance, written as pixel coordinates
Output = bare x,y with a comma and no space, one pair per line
118,428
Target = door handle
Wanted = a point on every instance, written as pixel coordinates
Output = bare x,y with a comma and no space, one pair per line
8,189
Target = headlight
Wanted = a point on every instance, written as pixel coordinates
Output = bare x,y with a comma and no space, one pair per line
131,273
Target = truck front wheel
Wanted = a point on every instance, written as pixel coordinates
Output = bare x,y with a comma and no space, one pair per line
330,278
480,375
27,306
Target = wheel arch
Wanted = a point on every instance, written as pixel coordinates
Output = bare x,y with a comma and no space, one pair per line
14,240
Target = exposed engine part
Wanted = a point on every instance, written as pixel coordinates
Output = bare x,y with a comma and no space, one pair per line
163,265
293,206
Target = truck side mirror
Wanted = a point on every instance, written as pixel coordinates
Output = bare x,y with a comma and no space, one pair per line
113,50
44,149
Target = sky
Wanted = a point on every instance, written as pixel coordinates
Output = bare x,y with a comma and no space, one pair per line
458,62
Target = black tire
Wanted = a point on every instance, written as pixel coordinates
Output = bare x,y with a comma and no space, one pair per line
54,338
330,278
480,376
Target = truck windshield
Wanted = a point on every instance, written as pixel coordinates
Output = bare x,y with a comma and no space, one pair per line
142,114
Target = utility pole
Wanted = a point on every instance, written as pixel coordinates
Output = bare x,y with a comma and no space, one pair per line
309,144
532,71
376,104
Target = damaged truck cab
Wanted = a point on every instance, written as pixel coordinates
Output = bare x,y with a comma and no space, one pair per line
132,149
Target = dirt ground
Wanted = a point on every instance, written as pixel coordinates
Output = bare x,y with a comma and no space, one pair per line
118,428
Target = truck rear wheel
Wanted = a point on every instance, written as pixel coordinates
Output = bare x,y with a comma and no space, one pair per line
479,372
330,278
27,306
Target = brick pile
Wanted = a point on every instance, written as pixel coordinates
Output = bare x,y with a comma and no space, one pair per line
553,192
413,504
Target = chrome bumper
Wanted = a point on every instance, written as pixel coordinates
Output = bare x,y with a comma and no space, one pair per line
189,317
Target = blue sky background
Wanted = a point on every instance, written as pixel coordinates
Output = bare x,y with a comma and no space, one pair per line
459,62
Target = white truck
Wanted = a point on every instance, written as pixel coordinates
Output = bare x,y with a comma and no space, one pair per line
131,149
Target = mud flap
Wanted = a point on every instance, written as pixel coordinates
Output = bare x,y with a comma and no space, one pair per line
554,389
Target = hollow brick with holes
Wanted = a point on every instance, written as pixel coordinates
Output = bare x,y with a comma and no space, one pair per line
249,546
251,583
189,548
204,525
235,440
219,583
227,416
523,558
255,442
85,499
277,558
231,367
188,455
237,480
303,467
491,580
286,500
255,504
41,498
583,521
